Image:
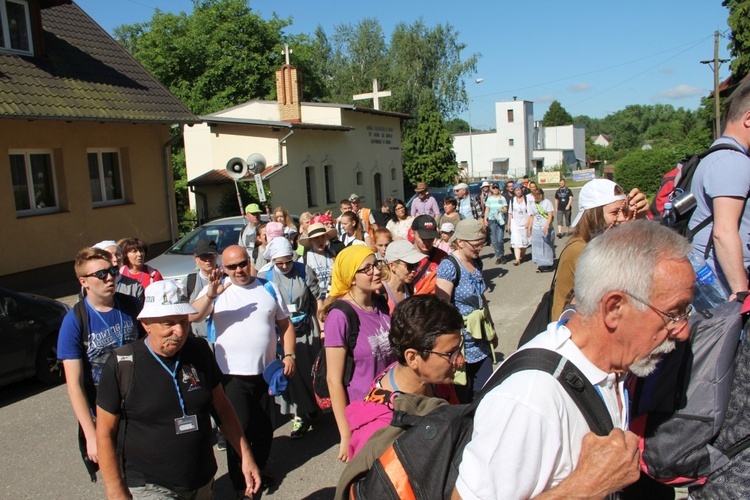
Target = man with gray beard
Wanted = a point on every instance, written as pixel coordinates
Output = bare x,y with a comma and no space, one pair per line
634,285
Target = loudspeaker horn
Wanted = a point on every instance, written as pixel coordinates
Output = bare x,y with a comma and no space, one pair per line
256,163
236,168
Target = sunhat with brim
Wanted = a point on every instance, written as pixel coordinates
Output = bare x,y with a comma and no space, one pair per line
165,298
404,251
315,230
468,230
596,193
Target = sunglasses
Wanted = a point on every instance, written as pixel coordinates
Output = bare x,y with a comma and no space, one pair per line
241,265
103,273
207,256
410,267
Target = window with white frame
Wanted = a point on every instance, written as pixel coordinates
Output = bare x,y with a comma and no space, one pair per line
15,26
33,177
105,177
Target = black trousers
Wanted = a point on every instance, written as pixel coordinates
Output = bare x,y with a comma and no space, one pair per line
249,397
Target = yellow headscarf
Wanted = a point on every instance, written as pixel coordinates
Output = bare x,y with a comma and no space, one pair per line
345,267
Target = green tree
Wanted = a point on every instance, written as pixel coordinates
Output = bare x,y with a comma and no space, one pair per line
428,152
220,55
645,168
457,126
739,44
556,115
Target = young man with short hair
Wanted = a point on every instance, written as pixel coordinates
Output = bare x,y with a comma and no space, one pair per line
111,322
563,202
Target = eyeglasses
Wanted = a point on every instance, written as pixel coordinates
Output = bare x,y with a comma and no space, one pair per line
452,356
241,265
400,207
410,267
103,273
284,263
478,245
673,319
368,269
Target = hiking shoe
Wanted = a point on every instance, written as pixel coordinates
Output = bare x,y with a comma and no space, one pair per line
221,440
299,428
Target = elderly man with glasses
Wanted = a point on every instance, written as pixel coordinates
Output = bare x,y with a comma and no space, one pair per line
468,207
631,306
101,321
247,312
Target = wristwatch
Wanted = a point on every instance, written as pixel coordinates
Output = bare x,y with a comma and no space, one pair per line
294,357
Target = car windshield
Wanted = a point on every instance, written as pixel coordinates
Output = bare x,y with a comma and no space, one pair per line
224,235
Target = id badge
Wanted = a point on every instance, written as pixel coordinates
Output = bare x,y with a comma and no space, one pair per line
292,308
186,424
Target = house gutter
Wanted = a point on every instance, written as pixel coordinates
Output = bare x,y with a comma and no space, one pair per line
281,150
168,175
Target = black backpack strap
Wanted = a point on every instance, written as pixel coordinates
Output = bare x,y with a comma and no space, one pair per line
567,374
352,321
191,280
82,316
457,279
124,375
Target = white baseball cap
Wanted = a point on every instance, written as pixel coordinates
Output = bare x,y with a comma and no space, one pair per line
165,298
403,250
597,193
447,227
485,184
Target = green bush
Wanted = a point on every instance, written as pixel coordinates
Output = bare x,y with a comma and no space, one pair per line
645,168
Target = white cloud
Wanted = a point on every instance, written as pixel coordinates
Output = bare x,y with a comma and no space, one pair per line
545,98
580,87
681,92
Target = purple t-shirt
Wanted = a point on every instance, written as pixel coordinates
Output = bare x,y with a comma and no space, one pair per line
372,354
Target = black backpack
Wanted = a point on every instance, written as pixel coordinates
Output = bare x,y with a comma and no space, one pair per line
320,370
422,463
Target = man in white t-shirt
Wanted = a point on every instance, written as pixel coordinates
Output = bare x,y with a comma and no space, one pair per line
529,438
247,312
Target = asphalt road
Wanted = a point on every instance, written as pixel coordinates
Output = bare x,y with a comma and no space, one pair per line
39,456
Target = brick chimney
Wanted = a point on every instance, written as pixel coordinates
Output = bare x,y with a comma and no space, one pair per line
289,93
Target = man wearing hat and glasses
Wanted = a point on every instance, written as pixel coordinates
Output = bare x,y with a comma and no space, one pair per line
206,255
468,207
247,236
424,203
101,321
175,384
364,214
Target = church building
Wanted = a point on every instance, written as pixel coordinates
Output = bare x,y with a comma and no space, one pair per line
316,153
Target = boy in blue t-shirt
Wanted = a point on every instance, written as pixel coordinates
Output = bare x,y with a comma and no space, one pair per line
111,322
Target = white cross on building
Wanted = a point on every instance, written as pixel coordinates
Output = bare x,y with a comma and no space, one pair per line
286,53
375,95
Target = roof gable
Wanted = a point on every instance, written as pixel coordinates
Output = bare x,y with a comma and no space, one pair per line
83,74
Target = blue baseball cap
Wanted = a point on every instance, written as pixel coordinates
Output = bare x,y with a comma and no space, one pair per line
274,377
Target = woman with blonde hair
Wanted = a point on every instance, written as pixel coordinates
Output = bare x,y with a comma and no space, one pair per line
281,214
355,282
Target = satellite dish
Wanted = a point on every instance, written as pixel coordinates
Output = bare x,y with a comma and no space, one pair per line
236,168
256,163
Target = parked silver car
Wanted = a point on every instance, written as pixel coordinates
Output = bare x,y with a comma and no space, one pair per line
178,260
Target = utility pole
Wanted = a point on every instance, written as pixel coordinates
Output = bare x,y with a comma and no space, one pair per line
717,99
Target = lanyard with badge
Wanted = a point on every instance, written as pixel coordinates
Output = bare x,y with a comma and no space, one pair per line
291,306
186,423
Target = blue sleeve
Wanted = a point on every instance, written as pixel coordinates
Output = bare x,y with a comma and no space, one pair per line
446,270
70,341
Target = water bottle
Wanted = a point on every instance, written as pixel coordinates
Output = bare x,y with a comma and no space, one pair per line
709,292
668,216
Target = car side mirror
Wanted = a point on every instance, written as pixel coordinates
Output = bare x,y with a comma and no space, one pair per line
9,307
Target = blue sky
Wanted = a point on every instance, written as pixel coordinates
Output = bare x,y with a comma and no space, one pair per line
594,57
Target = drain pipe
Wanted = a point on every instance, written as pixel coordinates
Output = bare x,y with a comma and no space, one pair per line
283,139
168,175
